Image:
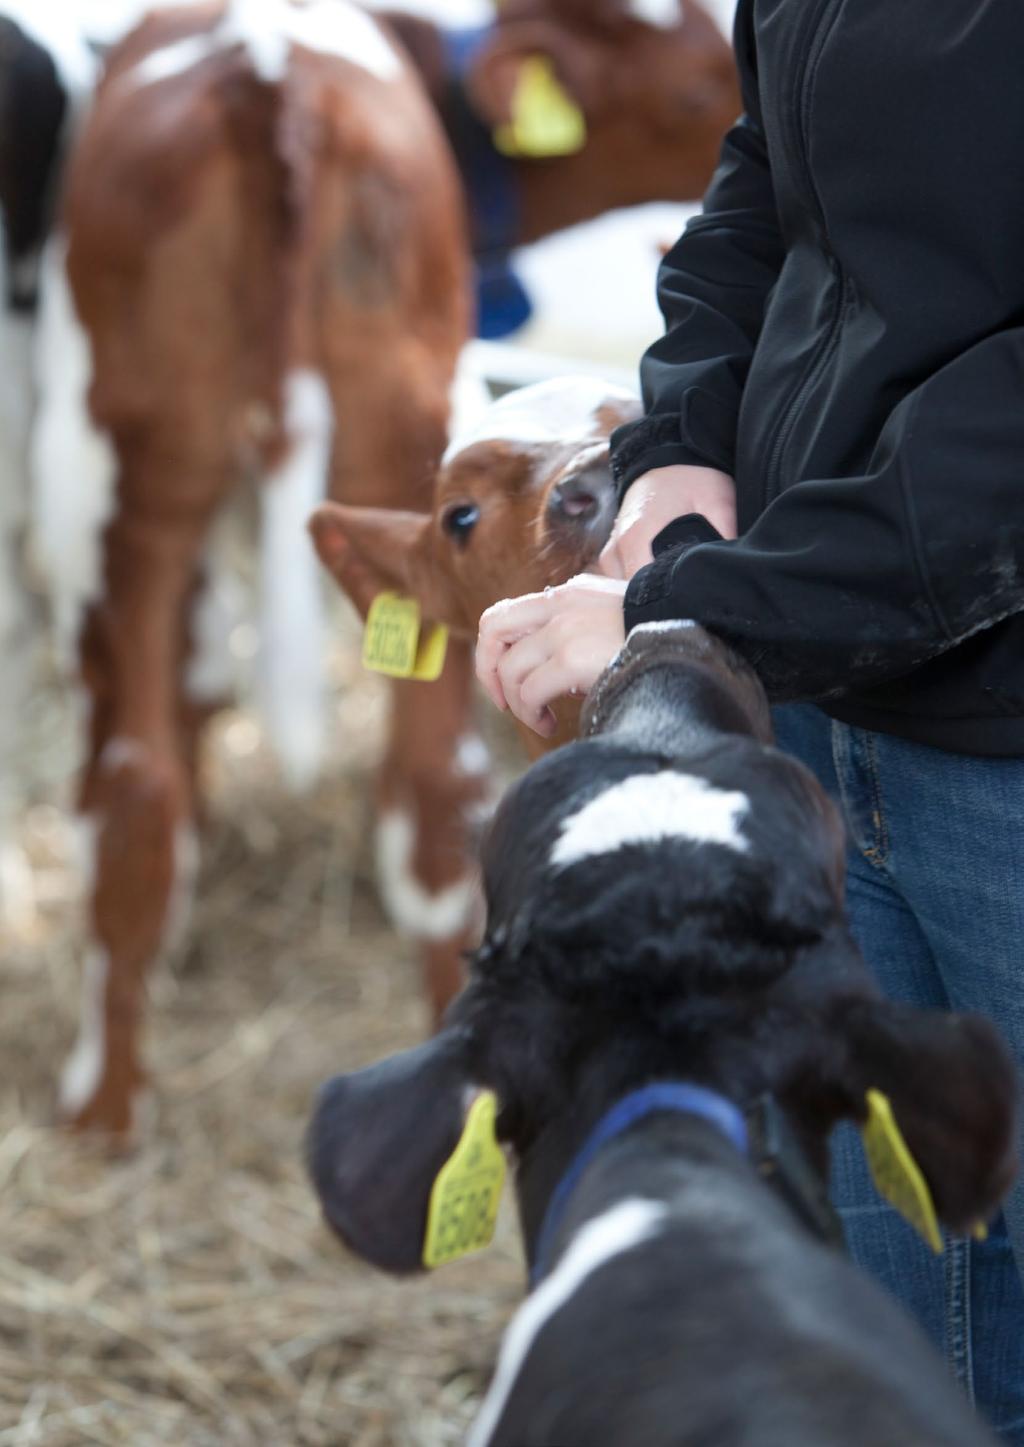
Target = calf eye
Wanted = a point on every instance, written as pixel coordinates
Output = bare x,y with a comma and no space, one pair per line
460,521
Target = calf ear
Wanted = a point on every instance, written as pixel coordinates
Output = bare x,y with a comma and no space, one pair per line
377,1141
373,550
953,1089
498,70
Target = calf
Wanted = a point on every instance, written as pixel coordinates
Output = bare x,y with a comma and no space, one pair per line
655,85
666,968
261,280
524,499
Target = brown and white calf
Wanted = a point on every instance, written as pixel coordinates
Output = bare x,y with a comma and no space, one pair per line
260,278
524,499
655,81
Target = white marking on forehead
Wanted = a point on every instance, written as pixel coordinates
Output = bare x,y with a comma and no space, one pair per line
620,1229
562,410
647,808
665,14
269,28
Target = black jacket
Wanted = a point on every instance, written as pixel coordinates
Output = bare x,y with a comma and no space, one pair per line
846,337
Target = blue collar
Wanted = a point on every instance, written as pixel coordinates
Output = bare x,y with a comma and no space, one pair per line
663,1096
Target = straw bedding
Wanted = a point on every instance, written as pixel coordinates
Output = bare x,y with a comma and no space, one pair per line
187,1293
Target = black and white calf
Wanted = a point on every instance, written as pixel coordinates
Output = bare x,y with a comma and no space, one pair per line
666,959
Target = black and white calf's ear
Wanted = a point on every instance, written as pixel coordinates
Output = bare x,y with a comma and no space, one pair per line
953,1088
377,1141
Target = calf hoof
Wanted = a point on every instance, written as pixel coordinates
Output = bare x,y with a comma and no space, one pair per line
112,1111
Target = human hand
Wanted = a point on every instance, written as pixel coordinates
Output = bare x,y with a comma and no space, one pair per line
658,498
540,647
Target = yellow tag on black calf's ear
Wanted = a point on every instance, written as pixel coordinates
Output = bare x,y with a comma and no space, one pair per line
464,1201
393,644
546,121
896,1174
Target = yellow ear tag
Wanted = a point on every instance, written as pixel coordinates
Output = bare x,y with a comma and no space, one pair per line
464,1200
392,643
896,1174
545,120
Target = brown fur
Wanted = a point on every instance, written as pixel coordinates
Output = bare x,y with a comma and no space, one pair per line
520,545
657,101
221,233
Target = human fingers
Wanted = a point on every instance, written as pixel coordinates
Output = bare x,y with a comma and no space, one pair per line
500,626
520,659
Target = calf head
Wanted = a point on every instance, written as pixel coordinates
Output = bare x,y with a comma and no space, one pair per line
661,911
654,79
523,499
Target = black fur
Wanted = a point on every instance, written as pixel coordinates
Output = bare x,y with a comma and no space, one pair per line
33,106
734,969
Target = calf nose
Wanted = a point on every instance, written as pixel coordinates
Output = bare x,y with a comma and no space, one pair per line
585,500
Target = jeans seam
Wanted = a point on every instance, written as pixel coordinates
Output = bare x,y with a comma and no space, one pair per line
878,852
958,1314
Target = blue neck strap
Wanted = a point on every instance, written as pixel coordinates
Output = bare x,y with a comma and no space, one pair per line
651,1099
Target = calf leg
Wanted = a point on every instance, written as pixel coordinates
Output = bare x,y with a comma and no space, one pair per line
391,428
137,803
433,787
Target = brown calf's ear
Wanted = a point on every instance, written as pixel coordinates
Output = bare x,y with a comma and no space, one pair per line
953,1089
377,1141
373,550
498,70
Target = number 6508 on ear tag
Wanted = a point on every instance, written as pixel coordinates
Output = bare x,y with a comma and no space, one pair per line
393,644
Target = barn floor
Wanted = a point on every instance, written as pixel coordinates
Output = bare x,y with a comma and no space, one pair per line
187,1293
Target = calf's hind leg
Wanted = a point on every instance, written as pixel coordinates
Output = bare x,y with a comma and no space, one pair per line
137,806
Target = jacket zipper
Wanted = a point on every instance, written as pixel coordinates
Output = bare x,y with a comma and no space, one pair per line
817,34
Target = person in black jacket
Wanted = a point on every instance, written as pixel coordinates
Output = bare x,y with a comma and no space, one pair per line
830,475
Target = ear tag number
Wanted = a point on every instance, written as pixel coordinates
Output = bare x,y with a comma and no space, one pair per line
896,1174
545,120
393,644
464,1200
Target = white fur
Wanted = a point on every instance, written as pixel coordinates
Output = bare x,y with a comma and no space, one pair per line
620,1229
183,889
472,758
84,1066
469,397
268,29
19,618
293,618
411,908
665,14
648,808
562,410
72,461
663,625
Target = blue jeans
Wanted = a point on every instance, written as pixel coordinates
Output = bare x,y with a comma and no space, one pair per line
935,882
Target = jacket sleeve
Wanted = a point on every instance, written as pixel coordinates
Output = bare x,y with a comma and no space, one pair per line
712,289
932,544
